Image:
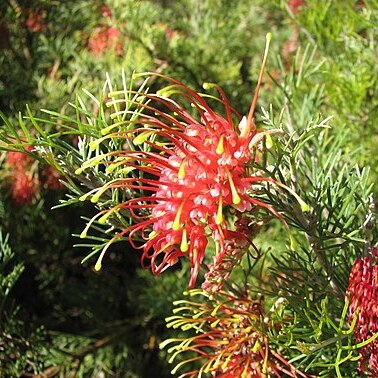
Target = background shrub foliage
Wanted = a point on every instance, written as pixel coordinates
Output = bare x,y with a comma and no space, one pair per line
60,317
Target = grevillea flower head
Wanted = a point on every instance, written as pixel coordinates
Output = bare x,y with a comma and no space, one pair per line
19,160
188,177
105,10
103,39
35,21
363,302
24,186
226,338
295,5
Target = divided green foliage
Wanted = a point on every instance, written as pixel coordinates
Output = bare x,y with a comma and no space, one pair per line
320,106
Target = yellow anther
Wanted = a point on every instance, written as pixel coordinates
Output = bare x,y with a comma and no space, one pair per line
220,147
207,86
108,213
184,241
219,217
85,196
235,195
152,235
181,172
104,218
108,129
177,222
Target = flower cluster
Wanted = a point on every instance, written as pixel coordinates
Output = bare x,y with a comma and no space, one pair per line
295,5
103,39
35,21
191,177
24,187
228,341
194,175
23,177
363,296
204,175
106,11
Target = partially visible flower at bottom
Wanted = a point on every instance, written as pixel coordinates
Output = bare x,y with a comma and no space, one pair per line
363,296
228,338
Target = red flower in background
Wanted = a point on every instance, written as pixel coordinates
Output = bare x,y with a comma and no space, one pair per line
105,10
20,160
363,295
35,21
24,187
295,5
103,39
23,178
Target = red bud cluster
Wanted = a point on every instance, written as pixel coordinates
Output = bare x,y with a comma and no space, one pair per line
363,295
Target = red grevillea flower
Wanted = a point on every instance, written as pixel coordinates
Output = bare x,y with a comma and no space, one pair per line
363,296
35,21
104,39
191,176
19,160
105,10
295,5
24,188
226,338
